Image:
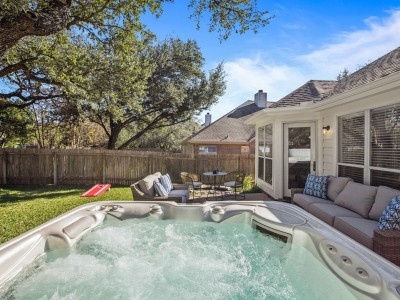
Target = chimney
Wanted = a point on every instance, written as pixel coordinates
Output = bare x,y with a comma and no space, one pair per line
260,99
208,120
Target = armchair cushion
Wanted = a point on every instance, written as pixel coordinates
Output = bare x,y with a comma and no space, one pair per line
147,184
357,197
336,185
383,196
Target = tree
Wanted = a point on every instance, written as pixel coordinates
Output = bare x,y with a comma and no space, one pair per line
343,74
46,17
175,89
167,138
14,127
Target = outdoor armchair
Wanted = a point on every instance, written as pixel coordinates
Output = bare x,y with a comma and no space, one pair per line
192,180
143,190
234,184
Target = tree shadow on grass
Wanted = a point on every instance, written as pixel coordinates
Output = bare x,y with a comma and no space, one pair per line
17,193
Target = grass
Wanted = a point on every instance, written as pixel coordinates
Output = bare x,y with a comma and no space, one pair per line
25,207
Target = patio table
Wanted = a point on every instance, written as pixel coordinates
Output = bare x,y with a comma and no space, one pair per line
214,187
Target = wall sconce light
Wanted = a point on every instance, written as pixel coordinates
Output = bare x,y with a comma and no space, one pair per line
326,128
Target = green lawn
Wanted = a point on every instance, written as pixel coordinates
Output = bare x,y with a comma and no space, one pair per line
25,207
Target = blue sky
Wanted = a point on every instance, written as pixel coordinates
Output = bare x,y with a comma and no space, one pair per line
306,40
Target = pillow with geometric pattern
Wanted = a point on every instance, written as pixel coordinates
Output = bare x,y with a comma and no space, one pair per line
390,218
316,186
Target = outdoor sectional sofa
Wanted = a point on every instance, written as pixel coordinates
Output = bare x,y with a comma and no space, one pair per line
355,209
144,190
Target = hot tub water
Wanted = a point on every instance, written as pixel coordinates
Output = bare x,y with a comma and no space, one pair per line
154,259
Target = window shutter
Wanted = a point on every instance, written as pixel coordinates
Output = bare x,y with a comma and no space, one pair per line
351,139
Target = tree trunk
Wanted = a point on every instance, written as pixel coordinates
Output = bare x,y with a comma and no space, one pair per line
48,20
113,137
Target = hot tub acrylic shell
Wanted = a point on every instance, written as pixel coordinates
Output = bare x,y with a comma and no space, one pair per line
366,274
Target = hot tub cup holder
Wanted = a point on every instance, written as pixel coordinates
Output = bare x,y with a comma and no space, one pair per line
112,207
156,210
217,213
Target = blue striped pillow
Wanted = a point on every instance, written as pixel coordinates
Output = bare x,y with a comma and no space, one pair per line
166,182
160,190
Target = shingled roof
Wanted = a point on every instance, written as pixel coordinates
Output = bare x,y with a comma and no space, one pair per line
230,128
383,66
318,90
313,90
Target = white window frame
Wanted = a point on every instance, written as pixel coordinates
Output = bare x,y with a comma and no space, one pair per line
208,147
367,147
264,157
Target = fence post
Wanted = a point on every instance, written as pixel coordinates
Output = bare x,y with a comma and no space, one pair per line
55,168
103,158
4,167
149,168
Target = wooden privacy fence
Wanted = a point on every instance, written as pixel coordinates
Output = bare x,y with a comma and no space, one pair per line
76,166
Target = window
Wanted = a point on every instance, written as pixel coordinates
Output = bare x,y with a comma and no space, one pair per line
382,146
351,146
265,153
207,149
385,146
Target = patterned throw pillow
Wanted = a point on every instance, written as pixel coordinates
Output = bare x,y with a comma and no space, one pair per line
166,182
160,190
390,218
316,186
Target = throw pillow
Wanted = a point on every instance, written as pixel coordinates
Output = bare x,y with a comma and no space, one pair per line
316,186
166,182
160,190
390,218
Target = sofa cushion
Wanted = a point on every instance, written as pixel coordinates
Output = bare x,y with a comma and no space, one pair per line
390,218
382,199
357,197
160,190
328,212
147,184
166,182
181,195
316,186
359,229
336,185
304,201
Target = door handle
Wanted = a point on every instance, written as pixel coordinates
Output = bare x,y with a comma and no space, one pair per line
314,166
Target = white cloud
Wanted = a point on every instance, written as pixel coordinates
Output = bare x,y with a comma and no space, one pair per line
247,75
353,49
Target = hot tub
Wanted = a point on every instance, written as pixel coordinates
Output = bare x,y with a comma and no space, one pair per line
354,271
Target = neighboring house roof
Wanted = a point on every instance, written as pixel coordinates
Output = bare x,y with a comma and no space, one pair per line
230,128
317,90
313,90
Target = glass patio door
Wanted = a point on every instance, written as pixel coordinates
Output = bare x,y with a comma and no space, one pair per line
299,155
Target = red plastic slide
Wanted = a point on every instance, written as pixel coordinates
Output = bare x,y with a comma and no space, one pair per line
96,190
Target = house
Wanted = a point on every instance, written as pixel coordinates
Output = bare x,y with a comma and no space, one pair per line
229,134
347,128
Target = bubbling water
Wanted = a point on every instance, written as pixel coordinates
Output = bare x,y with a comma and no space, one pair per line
147,259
